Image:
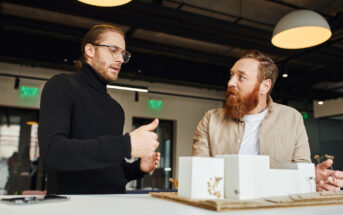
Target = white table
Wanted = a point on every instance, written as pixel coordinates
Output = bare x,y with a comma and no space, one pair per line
140,204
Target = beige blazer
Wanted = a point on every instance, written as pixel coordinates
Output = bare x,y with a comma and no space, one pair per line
282,135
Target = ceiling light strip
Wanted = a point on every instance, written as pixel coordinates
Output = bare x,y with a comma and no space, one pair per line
135,89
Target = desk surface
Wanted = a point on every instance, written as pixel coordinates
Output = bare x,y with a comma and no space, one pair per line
134,204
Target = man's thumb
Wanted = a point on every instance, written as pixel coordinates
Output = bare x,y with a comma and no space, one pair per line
152,126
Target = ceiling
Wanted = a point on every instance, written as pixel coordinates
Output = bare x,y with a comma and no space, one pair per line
184,42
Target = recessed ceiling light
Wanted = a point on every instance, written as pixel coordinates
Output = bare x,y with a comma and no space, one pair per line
285,75
320,102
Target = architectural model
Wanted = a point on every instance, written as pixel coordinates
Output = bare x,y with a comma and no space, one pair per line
245,177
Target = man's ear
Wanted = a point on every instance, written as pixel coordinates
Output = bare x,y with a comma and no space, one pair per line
89,50
265,86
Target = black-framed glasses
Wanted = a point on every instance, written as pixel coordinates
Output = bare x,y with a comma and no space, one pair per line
115,51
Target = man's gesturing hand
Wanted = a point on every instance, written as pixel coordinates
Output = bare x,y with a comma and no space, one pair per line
150,163
143,140
326,179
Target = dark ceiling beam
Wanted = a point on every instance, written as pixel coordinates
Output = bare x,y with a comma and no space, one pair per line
9,22
237,20
180,5
130,32
286,4
157,1
182,53
168,20
73,34
220,13
45,50
135,46
280,2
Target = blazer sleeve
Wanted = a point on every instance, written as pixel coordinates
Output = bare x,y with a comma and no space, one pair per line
58,151
201,145
302,148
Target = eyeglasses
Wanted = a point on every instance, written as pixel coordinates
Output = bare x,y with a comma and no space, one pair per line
116,51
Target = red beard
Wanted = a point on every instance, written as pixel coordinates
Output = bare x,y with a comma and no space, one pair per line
238,106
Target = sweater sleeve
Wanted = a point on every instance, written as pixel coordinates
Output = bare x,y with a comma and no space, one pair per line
132,170
58,151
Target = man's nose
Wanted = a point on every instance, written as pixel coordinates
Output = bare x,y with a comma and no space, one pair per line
232,82
119,58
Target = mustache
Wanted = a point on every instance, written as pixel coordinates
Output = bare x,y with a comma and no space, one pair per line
231,91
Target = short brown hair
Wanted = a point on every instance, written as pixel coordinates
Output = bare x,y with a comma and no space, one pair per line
267,68
94,35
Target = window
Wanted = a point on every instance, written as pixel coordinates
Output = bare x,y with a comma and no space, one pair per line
159,178
19,151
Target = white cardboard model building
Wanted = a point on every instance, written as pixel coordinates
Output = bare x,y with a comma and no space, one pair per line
201,178
245,177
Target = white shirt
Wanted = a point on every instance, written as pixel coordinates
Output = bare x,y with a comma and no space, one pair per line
250,143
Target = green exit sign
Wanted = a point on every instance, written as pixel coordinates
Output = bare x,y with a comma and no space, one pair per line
305,115
155,104
28,91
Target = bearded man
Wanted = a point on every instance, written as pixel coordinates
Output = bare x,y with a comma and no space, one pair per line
251,123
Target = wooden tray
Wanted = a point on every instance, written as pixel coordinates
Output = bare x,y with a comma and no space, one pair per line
296,200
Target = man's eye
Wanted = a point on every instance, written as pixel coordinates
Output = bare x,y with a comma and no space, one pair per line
115,49
241,77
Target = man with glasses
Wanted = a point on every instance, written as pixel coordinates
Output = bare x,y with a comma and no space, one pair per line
81,127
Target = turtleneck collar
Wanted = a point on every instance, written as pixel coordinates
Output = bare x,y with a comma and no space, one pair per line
93,78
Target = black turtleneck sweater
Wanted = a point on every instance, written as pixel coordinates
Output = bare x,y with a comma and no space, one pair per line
81,136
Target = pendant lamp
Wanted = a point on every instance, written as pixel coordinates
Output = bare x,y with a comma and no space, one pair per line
105,3
301,29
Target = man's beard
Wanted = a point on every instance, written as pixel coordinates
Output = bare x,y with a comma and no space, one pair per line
238,106
101,68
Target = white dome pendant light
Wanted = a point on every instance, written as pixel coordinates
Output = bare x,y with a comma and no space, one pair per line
105,3
301,29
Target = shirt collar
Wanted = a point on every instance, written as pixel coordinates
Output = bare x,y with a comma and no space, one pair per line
270,104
